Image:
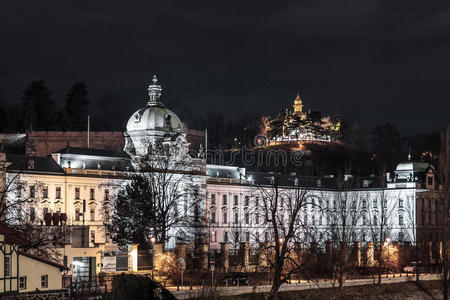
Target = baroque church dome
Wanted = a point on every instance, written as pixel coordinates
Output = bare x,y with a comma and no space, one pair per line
153,123
154,116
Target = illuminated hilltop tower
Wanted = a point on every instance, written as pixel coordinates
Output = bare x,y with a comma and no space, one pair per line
298,105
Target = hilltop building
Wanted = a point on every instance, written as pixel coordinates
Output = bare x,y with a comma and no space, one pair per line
298,127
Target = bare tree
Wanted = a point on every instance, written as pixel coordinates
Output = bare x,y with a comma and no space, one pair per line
381,224
162,187
280,211
344,219
21,209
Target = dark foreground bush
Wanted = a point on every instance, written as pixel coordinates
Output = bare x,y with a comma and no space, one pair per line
136,287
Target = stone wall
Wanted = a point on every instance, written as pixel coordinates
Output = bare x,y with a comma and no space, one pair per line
43,143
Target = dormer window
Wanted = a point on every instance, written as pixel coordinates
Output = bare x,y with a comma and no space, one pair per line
137,118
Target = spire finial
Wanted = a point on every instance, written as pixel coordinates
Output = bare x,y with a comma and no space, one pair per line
409,153
154,92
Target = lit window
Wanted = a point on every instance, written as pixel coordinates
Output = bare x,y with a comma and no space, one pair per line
44,281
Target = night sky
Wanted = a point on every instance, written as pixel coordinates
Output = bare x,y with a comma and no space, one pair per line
371,61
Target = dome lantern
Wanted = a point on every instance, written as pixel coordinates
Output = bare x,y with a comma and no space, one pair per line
154,92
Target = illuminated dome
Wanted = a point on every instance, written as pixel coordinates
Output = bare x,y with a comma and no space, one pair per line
152,123
154,116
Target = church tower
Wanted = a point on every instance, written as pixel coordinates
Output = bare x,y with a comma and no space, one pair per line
298,105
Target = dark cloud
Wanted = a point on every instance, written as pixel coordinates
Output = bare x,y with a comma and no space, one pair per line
370,60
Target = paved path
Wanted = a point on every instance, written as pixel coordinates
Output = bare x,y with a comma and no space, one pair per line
303,285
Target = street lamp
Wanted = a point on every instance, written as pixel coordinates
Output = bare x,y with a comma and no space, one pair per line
153,240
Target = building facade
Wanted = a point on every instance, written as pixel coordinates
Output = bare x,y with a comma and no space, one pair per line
69,187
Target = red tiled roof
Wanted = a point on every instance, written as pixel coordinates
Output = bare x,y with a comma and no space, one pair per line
44,260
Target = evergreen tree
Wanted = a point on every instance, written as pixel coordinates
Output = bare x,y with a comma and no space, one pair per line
133,218
38,107
77,106
276,125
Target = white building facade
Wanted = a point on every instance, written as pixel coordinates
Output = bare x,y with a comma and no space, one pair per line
72,184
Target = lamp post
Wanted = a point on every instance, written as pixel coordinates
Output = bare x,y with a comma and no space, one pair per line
153,240
181,261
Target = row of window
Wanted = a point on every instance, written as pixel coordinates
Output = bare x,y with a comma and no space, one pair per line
45,210
305,221
235,200
313,202
436,203
23,282
32,193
